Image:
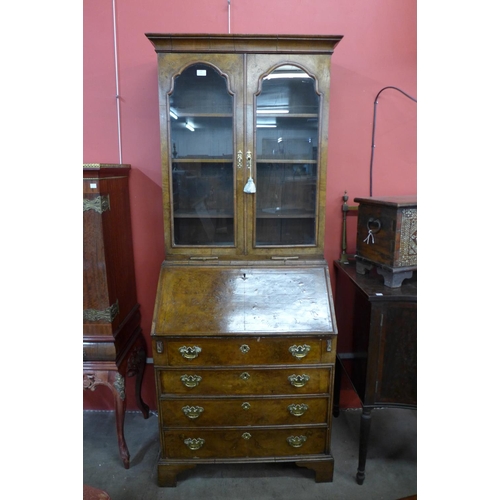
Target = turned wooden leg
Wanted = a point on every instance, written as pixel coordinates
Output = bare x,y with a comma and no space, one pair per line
323,470
118,382
167,474
136,366
364,435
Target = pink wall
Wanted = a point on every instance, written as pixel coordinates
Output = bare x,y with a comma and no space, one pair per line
379,49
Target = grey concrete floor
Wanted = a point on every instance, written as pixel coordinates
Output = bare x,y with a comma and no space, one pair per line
391,469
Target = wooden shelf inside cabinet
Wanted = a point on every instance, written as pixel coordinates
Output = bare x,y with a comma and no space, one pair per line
298,161
285,214
201,160
211,214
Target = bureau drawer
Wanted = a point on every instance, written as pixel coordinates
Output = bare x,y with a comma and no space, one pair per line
244,351
244,442
265,381
201,412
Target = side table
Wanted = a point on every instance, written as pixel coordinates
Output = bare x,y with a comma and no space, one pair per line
377,346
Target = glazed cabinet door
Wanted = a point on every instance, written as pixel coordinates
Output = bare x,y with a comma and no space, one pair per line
201,114
244,139
287,131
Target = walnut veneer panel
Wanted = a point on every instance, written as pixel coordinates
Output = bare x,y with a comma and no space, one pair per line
215,300
248,351
245,442
200,412
269,381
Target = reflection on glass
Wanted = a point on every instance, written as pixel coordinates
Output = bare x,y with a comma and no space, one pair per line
286,146
201,136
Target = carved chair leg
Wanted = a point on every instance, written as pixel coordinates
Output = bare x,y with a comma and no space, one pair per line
118,382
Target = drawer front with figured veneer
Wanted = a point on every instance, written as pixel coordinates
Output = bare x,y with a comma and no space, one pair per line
202,412
244,442
266,381
244,351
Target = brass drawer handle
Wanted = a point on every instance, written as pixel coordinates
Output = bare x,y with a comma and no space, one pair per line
299,351
190,352
298,380
246,435
245,376
298,410
193,411
296,441
246,406
194,443
190,380
244,348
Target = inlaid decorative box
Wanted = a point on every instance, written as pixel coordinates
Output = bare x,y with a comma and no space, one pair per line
387,237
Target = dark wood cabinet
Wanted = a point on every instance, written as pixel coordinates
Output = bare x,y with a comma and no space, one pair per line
113,344
380,357
244,332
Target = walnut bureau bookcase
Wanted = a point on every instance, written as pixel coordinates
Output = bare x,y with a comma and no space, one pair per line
244,331
114,347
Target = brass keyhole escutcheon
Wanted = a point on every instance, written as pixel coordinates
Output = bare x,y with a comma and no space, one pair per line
245,376
246,435
246,406
244,348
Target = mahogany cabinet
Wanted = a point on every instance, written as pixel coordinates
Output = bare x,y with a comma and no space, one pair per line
113,344
244,331
380,358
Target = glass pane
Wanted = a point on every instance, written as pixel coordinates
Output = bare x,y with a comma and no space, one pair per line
287,145
201,134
